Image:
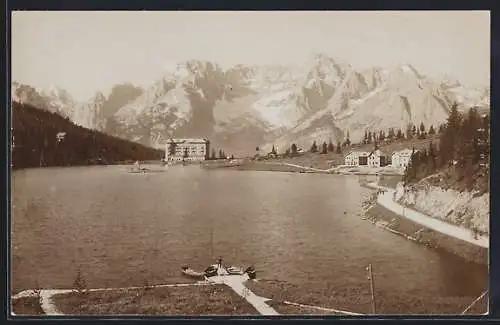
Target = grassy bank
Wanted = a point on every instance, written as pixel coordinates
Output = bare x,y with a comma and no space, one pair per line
287,309
428,237
27,306
256,166
358,300
191,300
349,298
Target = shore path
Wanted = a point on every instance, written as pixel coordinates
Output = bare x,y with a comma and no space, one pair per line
386,199
237,283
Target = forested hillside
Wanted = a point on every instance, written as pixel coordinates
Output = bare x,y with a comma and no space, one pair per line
462,159
42,138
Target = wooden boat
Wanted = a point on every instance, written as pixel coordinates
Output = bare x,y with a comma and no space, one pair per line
193,274
211,271
252,274
233,270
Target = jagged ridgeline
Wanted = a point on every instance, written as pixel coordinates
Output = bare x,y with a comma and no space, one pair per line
43,138
246,106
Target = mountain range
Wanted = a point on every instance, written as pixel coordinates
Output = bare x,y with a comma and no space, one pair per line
249,105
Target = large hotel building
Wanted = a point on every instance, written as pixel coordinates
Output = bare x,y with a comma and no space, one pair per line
187,150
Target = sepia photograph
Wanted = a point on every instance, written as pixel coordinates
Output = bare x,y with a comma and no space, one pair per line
250,163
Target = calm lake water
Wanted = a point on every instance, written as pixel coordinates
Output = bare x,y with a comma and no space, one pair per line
123,229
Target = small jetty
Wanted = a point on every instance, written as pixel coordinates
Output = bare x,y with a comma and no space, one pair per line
234,278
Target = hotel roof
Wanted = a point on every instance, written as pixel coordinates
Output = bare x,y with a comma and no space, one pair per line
188,140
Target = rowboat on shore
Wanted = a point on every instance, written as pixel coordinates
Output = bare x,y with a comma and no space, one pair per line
233,270
192,273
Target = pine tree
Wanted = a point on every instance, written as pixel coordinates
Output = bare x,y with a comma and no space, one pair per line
324,148
422,128
214,156
365,138
314,147
273,151
409,131
294,148
381,136
431,130
370,137
347,142
399,135
391,134
449,137
413,131
432,158
186,154
339,147
330,146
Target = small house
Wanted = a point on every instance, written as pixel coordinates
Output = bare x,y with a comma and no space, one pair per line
402,158
356,158
377,158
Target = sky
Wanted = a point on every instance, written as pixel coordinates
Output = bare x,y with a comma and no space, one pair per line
86,52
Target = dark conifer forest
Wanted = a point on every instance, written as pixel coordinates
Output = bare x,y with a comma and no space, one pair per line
41,138
463,154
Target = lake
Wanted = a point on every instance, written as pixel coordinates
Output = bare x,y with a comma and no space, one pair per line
124,229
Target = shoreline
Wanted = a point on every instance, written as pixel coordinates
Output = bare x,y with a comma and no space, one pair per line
389,220
272,166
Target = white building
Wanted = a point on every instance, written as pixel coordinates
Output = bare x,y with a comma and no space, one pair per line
402,158
356,158
187,149
376,158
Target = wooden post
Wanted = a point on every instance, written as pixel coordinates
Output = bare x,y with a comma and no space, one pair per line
211,240
372,287
474,302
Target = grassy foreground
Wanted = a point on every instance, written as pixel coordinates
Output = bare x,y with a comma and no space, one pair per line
358,300
27,306
190,300
287,309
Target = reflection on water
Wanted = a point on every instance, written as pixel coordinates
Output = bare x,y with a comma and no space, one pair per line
123,228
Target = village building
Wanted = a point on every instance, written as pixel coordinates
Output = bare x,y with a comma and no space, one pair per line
356,158
377,158
187,150
402,158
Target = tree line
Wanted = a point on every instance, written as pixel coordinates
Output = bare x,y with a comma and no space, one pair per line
42,138
411,132
293,150
463,151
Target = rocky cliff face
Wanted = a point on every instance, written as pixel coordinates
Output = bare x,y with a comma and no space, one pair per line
245,106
